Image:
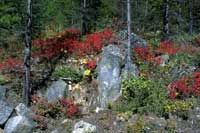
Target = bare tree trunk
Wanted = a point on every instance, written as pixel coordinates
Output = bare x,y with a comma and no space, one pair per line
128,61
27,54
146,8
84,25
191,16
179,17
129,26
166,20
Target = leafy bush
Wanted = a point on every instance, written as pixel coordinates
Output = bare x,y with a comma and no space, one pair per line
11,64
68,42
144,95
71,108
184,38
179,105
2,80
41,107
185,87
196,60
69,73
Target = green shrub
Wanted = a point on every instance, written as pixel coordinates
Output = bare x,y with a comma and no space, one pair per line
144,95
197,60
69,73
184,38
2,80
179,105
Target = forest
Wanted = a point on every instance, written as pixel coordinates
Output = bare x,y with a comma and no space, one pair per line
99,66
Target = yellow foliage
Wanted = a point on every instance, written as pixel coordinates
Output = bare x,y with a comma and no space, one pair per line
87,72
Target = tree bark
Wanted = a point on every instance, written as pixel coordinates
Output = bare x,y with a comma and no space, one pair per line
128,61
84,25
190,17
27,54
166,20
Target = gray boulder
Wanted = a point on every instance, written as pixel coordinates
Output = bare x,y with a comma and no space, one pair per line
109,80
84,127
5,112
57,90
19,124
22,110
3,90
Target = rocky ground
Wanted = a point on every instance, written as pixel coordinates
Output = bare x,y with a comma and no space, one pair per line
64,105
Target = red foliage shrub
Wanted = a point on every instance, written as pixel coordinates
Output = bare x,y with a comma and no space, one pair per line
167,47
11,64
67,42
71,108
196,83
144,53
91,64
52,47
178,88
185,86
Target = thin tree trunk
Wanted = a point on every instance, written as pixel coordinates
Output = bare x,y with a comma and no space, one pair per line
27,54
137,26
128,62
166,20
179,21
146,8
191,16
84,25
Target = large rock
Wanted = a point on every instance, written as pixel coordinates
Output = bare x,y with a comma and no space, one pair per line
22,110
84,127
3,90
19,124
5,112
56,91
109,80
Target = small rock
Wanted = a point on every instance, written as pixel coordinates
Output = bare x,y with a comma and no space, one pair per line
164,60
5,112
22,110
19,124
56,91
55,131
84,127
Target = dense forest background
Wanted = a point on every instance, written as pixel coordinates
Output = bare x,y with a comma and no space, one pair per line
55,15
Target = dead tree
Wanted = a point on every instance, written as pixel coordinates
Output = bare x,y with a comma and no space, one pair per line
128,50
166,20
27,54
191,16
